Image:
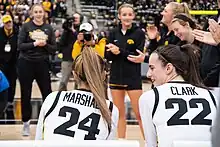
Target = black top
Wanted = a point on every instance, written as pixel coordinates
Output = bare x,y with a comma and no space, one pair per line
123,71
6,57
28,34
210,63
165,39
66,42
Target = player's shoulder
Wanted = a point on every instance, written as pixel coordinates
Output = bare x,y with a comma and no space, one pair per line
147,96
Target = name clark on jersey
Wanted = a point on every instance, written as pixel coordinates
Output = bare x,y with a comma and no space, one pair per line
183,90
81,99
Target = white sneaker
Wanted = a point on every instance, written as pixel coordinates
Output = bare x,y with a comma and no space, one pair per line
26,128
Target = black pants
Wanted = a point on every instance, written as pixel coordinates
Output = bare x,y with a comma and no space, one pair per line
9,70
3,102
27,72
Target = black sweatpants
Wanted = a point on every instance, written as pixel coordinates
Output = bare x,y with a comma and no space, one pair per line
10,71
27,72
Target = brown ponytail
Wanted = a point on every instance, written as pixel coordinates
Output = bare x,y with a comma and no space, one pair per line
192,76
89,67
184,59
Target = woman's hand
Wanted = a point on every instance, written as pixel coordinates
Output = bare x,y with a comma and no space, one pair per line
205,37
137,59
113,48
152,32
40,43
214,28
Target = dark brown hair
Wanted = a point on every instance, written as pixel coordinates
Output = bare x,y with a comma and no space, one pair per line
185,61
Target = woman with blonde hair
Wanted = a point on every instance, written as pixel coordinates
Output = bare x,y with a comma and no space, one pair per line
36,41
88,103
166,35
125,76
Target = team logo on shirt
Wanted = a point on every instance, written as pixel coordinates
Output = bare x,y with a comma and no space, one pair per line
130,41
38,35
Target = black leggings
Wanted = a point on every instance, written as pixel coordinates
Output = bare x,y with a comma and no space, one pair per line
27,72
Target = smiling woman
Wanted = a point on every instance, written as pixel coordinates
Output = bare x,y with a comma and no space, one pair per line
35,42
125,76
173,106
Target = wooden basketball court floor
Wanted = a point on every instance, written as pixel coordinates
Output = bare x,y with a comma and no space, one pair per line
13,132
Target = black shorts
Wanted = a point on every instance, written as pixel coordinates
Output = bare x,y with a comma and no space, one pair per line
134,86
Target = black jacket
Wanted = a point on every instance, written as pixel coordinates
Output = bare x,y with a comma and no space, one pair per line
164,39
66,42
8,57
27,35
124,72
210,64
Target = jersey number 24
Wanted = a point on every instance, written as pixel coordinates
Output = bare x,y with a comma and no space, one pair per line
193,103
74,118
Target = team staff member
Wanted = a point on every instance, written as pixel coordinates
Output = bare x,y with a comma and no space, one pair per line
125,76
86,37
171,111
35,42
87,104
8,59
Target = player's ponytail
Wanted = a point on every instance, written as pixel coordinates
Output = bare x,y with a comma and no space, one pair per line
185,59
192,75
90,69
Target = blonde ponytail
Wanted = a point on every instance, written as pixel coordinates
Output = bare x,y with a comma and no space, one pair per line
178,8
90,68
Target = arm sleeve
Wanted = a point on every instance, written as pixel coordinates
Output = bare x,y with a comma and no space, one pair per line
44,109
76,49
63,38
153,45
146,59
51,45
115,116
109,55
147,120
22,37
100,47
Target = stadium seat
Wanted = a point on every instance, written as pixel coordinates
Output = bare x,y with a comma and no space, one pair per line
191,144
90,143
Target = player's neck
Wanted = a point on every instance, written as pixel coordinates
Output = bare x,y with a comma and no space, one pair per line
176,78
83,86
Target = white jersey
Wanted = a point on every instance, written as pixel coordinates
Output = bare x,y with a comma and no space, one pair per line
176,111
74,115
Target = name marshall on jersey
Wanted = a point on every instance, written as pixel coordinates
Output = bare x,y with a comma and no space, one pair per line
81,99
183,90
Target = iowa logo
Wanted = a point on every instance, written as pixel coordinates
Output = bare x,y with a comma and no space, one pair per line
130,41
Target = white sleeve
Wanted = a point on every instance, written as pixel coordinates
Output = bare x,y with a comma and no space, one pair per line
146,102
115,116
48,102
